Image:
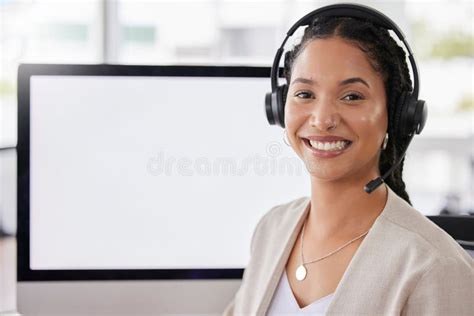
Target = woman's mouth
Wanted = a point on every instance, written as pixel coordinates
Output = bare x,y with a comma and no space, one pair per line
327,149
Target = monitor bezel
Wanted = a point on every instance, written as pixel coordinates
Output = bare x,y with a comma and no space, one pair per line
25,72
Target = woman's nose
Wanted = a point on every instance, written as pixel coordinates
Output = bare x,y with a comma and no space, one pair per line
324,116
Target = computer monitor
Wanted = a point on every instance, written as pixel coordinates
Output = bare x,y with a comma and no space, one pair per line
139,186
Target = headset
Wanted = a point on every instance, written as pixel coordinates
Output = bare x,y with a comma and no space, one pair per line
412,112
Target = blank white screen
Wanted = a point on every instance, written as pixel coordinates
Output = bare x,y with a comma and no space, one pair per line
128,172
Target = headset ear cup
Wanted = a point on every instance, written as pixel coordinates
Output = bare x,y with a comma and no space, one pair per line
410,123
281,98
413,115
268,108
421,114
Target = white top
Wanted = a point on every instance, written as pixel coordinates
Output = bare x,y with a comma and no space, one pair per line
284,301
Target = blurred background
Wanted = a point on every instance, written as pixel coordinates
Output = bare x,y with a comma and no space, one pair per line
439,167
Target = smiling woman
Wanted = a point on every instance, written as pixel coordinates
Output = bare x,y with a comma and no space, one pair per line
346,101
350,112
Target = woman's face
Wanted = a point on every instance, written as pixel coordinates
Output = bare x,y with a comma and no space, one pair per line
335,92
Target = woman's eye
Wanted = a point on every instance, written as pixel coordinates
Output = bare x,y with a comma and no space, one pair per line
353,97
304,94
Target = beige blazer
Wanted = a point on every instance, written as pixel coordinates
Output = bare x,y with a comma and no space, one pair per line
405,265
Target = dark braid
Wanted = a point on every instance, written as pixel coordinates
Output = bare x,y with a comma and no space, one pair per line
388,59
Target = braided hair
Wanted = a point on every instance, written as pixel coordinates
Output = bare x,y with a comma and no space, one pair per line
386,58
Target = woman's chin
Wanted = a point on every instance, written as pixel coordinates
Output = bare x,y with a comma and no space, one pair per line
325,173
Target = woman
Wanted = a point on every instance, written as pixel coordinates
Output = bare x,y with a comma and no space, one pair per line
343,251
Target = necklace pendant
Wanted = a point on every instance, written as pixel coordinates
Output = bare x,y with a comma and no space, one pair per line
301,273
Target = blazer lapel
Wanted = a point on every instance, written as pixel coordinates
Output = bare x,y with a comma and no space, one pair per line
361,264
288,240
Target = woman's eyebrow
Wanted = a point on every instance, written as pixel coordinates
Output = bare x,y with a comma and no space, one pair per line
353,80
341,83
303,80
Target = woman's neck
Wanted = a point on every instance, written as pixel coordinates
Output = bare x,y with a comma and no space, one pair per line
343,209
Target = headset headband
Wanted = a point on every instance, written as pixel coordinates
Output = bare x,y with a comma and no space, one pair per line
348,10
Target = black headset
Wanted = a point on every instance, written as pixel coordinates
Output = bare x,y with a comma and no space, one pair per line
413,112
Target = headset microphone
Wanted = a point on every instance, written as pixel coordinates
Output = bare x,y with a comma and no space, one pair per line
374,184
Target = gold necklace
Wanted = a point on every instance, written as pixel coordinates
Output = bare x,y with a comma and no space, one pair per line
301,271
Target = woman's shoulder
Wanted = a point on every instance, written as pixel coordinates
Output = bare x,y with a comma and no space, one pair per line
285,210
280,218
417,233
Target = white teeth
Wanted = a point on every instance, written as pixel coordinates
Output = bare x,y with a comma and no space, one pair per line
339,145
